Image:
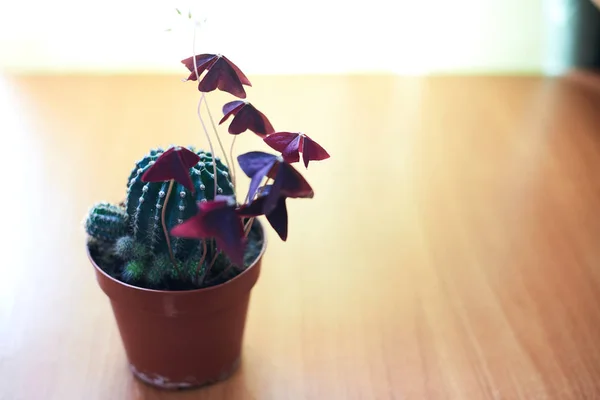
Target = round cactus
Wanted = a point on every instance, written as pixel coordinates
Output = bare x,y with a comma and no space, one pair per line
106,222
133,272
135,249
145,201
128,249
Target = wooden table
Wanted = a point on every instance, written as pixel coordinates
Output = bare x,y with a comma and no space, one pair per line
452,250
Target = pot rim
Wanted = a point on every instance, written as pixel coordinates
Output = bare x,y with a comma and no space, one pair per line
192,291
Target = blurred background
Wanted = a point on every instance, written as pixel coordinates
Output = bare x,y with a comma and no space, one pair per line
478,236
276,37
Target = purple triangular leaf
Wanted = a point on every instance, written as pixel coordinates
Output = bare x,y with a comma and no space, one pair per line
293,183
203,61
256,165
277,218
248,117
217,219
222,76
312,151
243,78
231,108
280,140
256,180
175,164
291,153
254,161
275,189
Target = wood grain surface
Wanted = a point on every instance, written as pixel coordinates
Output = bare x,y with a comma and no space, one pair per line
452,250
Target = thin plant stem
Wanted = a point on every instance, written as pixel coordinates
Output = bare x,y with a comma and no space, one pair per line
212,121
164,225
216,278
251,220
232,162
248,199
248,227
204,250
212,151
246,232
212,263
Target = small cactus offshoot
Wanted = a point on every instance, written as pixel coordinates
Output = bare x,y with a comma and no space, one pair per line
106,222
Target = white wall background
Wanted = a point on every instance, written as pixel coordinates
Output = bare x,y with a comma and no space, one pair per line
270,36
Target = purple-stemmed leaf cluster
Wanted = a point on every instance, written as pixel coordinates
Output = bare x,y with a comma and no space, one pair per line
273,179
222,74
246,117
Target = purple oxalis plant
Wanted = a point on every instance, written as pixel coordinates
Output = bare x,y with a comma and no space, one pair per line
273,179
222,74
246,117
184,223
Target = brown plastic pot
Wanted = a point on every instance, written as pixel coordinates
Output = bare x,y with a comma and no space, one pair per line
182,339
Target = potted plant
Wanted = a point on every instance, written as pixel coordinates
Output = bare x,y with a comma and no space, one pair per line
179,256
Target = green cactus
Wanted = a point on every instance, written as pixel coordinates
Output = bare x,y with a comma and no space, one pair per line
106,222
102,252
128,249
154,270
145,201
145,251
129,241
134,271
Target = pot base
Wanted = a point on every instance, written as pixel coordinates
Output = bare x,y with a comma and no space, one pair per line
164,383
